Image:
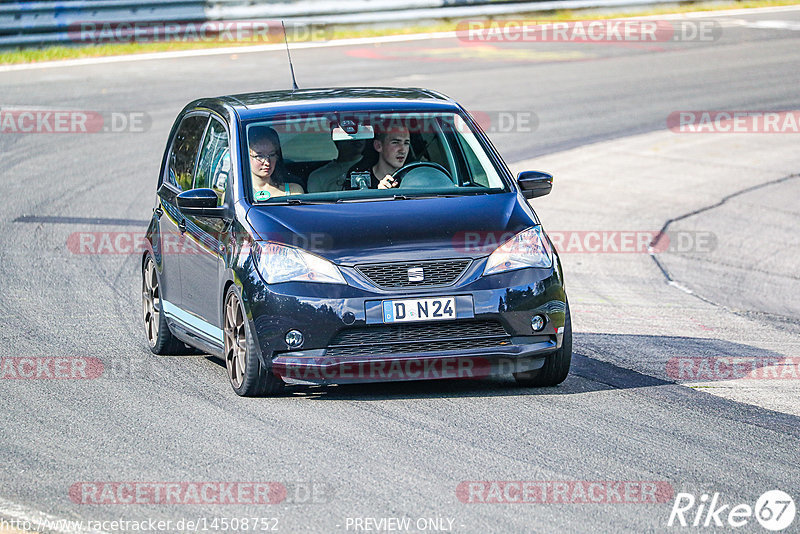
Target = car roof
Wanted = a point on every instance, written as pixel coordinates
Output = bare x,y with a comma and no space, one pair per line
253,105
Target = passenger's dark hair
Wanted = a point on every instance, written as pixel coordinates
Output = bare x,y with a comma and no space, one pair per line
257,135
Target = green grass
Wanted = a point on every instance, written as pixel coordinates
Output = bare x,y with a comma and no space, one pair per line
54,53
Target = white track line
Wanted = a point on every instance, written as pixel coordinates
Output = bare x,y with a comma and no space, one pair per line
340,42
40,521
228,50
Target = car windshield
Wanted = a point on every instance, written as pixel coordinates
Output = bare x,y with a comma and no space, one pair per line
338,157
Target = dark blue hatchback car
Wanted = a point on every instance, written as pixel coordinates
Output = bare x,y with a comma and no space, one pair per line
350,235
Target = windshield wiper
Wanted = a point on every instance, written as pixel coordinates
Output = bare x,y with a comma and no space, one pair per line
461,193
299,202
430,195
380,199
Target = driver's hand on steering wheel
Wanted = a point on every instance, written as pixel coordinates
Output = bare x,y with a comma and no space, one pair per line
388,182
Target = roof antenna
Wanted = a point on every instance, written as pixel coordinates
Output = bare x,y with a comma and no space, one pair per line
291,68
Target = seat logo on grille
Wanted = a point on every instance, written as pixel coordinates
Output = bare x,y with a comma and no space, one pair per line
416,274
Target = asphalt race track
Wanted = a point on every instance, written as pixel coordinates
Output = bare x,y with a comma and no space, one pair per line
596,115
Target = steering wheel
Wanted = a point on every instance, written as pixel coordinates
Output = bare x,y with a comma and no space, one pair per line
405,169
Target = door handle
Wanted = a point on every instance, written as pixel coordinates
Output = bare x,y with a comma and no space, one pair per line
182,226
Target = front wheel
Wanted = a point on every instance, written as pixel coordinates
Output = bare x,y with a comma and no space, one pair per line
245,372
556,366
159,337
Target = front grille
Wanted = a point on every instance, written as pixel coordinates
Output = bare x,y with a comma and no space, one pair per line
406,348
419,332
409,338
435,273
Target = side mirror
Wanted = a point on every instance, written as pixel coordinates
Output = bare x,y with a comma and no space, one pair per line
200,203
534,183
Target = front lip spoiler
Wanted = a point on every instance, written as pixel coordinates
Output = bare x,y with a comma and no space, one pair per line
315,367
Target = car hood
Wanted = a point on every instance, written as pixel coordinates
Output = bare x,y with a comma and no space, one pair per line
395,230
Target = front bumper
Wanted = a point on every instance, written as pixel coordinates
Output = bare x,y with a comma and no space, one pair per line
316,367
326,314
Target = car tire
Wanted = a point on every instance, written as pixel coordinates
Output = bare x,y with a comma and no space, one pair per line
556,365
247,375
159,337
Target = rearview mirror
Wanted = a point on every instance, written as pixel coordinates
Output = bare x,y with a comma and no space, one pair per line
534,183
200,203
355,133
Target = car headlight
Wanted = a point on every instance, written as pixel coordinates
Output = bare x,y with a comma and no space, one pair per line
529,248
278,263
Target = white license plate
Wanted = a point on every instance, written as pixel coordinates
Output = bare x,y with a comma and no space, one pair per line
431,309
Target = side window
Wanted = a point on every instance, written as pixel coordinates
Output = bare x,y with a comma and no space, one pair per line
215,161
184,150
476,170
478,163
435,148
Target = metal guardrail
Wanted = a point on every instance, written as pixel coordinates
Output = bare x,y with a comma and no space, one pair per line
238,9
36,23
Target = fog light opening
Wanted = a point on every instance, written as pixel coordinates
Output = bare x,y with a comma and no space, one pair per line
537,323
294,339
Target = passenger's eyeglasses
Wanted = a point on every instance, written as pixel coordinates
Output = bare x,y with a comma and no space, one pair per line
263,157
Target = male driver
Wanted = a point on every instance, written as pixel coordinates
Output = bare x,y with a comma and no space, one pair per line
392,146
331,176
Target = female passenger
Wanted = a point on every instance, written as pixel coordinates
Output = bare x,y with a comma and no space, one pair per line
269,175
